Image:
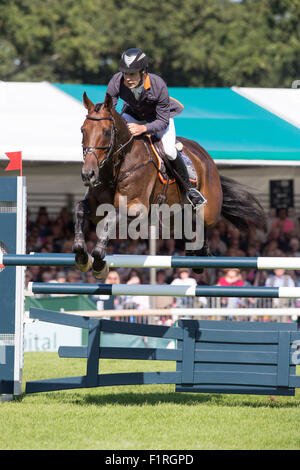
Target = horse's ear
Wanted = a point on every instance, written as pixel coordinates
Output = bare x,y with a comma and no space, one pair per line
108,101
87,102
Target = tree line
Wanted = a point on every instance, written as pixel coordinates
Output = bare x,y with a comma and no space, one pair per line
190,43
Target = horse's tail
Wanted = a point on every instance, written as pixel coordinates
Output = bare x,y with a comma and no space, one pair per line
240,207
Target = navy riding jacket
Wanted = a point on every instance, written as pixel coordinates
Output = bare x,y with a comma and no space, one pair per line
154,106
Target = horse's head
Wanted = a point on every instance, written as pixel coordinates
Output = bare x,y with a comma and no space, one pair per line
98,139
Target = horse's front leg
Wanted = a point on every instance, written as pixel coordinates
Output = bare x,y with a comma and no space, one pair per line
106,229
83,260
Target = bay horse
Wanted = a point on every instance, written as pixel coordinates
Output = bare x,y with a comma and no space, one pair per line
121,170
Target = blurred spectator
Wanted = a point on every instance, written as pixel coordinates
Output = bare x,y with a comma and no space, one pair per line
102,301
184,279
247,302
294,246
28,278
282,222
58,237
43,224
35,272
231,278
271,219
113,277
61,277
217,245
67,246
280,279
292,216
135,301
162,302
74,275
223,228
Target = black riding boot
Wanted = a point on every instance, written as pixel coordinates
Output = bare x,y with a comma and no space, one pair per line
193,195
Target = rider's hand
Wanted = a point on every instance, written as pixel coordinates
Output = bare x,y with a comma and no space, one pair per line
136,129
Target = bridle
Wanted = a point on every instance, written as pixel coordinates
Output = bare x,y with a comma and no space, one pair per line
109,148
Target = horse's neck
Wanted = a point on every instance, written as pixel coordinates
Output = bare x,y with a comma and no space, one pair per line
134,152
122,128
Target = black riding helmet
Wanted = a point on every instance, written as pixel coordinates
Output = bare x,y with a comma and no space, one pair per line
133,60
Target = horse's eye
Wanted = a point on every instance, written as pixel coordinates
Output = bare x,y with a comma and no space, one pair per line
107,132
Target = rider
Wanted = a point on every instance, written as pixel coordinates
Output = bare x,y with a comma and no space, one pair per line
149,109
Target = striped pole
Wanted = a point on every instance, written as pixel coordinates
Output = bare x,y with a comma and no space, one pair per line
162,290
148,261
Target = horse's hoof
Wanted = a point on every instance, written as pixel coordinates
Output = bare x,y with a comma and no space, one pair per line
84,265
100,275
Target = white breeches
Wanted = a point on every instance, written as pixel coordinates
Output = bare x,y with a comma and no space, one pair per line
168,136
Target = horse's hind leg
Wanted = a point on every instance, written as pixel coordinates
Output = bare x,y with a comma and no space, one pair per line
83,260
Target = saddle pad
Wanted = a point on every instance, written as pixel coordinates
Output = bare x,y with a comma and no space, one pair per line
163,175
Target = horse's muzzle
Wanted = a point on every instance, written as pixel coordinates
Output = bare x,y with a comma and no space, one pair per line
89,177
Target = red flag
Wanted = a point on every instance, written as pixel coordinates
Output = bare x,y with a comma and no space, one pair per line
15,161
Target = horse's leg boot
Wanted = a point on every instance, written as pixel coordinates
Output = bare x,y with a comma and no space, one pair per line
83,260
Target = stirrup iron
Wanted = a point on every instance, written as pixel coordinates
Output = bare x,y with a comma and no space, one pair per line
202,199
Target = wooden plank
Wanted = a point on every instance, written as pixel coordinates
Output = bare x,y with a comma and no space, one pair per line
188,350
138,378
123,353
238,347
234,356
50,316
50,385
236,378
284,354
92,366
104,380
140,329
236,389
237,336
204,367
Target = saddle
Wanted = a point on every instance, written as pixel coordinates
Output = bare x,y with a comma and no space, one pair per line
166,173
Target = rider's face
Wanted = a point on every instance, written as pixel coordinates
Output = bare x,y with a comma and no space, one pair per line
132,79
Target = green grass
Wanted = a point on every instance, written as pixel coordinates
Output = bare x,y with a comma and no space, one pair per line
141,417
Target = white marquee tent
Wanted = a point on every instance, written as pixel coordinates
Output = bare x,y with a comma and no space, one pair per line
41,121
